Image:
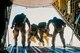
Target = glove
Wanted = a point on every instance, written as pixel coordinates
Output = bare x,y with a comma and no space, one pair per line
30,30
11,27
48,29
41,40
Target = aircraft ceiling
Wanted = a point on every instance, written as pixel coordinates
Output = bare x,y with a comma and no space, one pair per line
34,3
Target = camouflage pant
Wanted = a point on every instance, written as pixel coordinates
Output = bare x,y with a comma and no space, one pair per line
61,32
43,31
16,33
31,34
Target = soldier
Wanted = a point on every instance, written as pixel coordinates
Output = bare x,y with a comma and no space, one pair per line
43,30
3,7
33,32
19,25
58,28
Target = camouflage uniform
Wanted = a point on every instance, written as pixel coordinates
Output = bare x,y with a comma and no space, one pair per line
3,12
33,32
58,28
42,29
19,25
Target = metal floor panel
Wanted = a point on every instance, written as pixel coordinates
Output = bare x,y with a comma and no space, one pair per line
37,49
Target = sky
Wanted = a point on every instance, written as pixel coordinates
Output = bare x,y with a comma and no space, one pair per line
36,15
